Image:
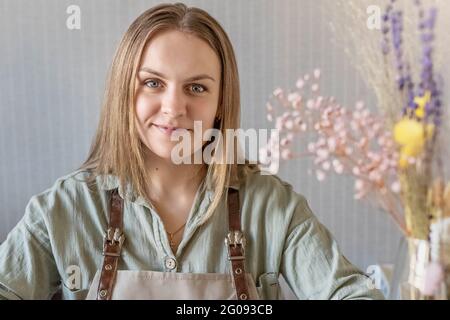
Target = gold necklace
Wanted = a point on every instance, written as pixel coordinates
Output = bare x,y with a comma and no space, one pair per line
172,244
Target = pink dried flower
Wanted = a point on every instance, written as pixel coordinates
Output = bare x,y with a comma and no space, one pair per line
315,87
326,166
286,154
289,124
300,84
395,187
320,175
278,92
348,140
317,73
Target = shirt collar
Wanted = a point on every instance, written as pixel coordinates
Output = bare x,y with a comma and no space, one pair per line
110,182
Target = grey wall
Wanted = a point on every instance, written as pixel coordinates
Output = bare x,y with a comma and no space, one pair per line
52,78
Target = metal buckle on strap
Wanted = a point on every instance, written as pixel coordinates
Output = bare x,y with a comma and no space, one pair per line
235,238
113,238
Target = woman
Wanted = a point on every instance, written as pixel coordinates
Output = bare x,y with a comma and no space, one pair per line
133,224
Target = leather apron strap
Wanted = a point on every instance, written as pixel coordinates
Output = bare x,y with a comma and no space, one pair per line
112,246
114,239
235,242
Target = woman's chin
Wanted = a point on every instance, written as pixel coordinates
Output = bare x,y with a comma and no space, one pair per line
167,154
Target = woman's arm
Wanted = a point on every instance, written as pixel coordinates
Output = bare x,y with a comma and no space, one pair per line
313,265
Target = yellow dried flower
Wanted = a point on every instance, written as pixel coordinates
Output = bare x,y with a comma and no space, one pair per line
421,103
411,135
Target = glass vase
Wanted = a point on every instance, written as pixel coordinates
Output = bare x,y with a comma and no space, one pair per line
408,279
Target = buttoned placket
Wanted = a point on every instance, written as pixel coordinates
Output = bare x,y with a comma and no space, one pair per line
169,260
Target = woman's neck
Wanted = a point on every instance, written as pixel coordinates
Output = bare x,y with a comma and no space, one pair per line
169,180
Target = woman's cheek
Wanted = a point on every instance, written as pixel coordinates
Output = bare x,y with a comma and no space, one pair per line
206,114
144,109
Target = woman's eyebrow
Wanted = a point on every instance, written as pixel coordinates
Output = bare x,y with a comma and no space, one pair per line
159,74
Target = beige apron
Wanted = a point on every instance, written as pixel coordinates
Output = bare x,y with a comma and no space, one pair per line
151,285
110,283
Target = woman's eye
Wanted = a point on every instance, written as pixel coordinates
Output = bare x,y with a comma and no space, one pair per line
152,84
198,88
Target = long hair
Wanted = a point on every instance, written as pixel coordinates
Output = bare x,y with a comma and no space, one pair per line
116,148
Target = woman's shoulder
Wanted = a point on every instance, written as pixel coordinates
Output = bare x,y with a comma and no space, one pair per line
70,182
271,191
74,187
259,181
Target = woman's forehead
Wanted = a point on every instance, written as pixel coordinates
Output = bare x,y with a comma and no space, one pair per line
175,53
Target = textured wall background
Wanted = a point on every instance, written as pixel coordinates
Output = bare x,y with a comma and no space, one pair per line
52,80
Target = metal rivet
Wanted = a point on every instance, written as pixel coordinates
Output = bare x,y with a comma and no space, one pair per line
103,293
238,271
243,296
108,267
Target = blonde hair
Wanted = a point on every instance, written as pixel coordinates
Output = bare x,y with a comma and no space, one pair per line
116,148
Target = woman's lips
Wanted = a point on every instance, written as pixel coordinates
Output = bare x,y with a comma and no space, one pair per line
168,130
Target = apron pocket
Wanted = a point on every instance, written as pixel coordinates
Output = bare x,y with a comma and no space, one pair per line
68,294
273,286
267,286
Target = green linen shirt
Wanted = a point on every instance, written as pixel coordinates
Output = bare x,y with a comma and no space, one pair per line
63,229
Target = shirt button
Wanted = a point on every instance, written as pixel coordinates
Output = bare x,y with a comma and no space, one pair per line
171,263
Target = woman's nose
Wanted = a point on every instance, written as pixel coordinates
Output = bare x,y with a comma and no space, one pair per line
174,103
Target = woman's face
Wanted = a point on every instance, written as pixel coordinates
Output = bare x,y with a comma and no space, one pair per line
178,83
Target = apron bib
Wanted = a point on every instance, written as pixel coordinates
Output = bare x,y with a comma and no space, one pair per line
110,283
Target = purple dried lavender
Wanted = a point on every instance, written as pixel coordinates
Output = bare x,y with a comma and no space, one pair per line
403,78
426,26
393,26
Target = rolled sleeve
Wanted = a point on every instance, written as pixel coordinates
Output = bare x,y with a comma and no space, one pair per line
313,265
27,266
